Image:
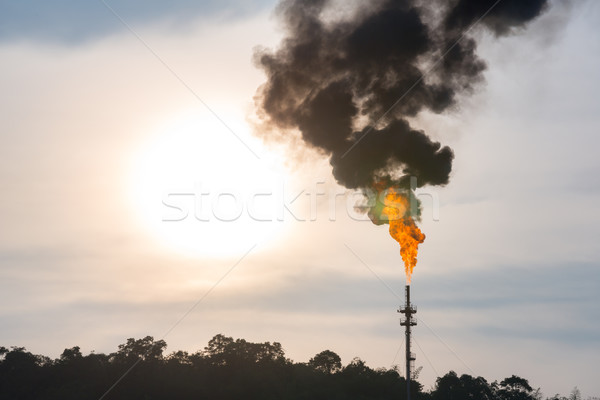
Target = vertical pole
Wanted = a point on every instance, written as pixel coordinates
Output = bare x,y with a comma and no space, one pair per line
408,310
408,357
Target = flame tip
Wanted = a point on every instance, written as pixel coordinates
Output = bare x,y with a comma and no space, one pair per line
403,229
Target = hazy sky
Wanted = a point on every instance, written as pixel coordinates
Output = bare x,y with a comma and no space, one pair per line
112,133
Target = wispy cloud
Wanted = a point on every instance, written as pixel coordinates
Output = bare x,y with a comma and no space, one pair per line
75,22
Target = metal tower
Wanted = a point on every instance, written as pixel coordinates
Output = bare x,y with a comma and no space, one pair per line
408,310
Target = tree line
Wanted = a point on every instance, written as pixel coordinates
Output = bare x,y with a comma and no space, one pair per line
228,369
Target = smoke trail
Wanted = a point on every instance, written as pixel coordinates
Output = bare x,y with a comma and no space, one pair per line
332,78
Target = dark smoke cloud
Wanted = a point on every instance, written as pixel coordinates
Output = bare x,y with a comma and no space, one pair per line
328,76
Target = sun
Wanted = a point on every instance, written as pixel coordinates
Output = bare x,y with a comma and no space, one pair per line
205,189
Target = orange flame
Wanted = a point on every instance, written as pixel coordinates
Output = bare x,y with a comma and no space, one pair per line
403,229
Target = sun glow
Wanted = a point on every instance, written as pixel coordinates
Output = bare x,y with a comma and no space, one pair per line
205,193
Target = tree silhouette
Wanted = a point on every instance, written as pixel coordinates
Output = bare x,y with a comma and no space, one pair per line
140,349
226,369
326,361
514,388
450,386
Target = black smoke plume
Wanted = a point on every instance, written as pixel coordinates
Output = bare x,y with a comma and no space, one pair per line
349,84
